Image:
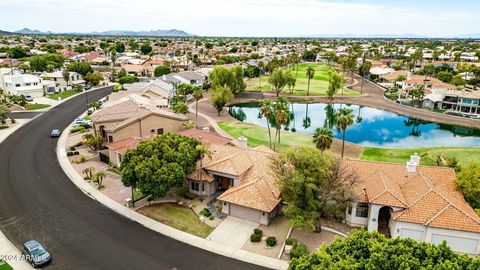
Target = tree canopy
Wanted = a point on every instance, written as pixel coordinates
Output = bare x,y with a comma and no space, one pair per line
46,62
468,180
313,185
158,165
80,67
364,250
161,70
220,97
228,78
279,79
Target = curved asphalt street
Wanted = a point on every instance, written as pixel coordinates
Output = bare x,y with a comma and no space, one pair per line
38,201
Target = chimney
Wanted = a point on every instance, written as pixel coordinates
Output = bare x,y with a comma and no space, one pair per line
413,163
242,142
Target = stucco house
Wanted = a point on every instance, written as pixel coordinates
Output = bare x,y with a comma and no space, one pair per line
131,118
418,202
22,84
243,174
60,83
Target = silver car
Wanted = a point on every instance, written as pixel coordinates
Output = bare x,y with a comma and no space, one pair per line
36,254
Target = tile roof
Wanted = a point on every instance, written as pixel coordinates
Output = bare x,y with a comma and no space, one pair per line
124,113
129,143
205,137
428,197
257,186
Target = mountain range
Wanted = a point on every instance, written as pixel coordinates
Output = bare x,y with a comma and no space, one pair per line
155,33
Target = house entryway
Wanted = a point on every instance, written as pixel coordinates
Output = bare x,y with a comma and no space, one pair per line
384,220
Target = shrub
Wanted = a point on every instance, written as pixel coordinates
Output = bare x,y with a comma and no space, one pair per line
89,112
271,241
69,153
254,238
77,129
258,231
211,217
72,148
12,121
290,241
298,250
205,212
75,153
3,126
82,159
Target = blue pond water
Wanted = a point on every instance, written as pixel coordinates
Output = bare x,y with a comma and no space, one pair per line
372,127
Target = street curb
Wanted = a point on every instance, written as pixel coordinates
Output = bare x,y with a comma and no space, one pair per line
154,225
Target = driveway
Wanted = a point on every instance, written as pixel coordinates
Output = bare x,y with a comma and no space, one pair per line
233,232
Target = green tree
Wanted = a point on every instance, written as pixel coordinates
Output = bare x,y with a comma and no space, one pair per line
279,79
162,70
94,142
197,95
281,114
364,250
66,76
46,62
445,76
220,97
81,68
128,79
468,180
119,47
17,52
146,48
183,90
313,185
310,74
4,111
181,108
202,152
335,82
158,165
94,78
323,138
228,78
267,111
344,119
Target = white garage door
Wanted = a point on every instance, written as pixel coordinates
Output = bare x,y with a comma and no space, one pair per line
464,245
414,234
245,213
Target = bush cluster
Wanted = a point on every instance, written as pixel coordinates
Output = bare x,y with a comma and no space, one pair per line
271,241
256,236
205,212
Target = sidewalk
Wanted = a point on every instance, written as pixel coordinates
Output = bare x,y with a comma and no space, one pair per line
92,192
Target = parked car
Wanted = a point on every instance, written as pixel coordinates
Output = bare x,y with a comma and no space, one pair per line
36,254
55,133
88,87
29,98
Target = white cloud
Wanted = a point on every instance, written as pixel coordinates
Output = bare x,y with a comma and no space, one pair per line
231,18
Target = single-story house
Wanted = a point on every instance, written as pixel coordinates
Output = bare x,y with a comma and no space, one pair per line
249,187
132,118
418,202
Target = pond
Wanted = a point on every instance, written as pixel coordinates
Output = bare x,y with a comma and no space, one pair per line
372,127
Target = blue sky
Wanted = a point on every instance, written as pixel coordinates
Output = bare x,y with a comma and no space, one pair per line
248,17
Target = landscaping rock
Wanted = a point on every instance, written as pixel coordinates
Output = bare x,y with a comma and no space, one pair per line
202,219
287,249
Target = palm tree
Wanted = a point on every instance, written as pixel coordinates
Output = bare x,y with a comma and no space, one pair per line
344,120
310,74
282,115
266,111
203,152
323,138
197,95
99,176
66,76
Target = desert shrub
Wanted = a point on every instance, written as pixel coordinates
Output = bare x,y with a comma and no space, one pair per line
254,238
77,129
298,250
290,241
211,217
271,241
205,212
258,231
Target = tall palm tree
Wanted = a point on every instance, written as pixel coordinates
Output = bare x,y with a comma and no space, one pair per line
282,115
66,76
323,138
197,95
266,111
344,120
203,152
310,74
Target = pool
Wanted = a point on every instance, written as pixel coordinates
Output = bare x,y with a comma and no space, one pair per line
372,127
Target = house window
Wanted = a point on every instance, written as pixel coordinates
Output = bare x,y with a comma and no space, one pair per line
362,210
203,186
17,85
160,131
195,186
110,138
28,84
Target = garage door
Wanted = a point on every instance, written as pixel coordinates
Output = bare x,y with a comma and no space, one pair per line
414,234
464,245
245,213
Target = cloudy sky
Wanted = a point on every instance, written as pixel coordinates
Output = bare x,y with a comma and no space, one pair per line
247,17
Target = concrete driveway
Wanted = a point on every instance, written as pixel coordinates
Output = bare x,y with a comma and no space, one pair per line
233,232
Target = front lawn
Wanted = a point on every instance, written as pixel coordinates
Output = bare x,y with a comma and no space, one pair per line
36,106
318,85
5,266
178,217
63,95
429,155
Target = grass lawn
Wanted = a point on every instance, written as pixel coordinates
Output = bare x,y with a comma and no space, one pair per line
63,95
429,155
318,85
259,136
5,266
31,107
178,217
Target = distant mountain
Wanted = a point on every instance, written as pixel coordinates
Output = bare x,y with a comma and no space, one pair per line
4,32
156,33
413,36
